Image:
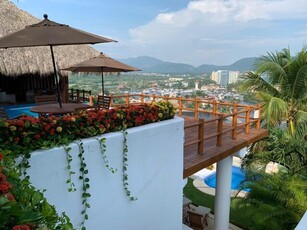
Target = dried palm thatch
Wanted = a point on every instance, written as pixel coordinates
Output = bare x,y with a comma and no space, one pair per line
33,60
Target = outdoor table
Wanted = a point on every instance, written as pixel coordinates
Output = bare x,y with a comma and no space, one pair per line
55,108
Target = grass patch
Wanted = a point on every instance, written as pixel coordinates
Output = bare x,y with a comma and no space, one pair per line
240,215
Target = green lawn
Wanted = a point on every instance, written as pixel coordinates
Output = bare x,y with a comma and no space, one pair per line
240,215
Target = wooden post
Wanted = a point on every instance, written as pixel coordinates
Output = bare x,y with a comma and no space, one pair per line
201,137
180,107
142,98
234,121
111,100
219,131
247,120
214,107
196,109
127,99
153,98
258,124
78,96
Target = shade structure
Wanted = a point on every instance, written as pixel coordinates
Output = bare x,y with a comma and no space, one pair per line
101,64
49,33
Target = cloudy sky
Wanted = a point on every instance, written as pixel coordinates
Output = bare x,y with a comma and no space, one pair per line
193,32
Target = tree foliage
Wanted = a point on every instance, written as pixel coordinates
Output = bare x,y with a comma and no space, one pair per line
278,200
280,84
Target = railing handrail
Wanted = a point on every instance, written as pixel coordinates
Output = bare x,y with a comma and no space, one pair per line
233,110
235,113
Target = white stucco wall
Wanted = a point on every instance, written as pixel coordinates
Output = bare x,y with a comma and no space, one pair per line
155,158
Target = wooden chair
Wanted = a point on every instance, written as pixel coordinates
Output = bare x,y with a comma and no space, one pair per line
103,102
46,99
198,217
3,114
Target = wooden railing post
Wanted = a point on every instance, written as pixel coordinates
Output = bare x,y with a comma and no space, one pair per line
258,124
234,121
180,107
219,131
142,97
153,98
78,95
201,137
214,107
111,100
127,99
196,109
247,120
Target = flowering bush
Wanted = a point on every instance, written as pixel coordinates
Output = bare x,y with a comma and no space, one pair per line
22,207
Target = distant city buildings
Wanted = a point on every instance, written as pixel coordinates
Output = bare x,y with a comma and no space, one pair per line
225,77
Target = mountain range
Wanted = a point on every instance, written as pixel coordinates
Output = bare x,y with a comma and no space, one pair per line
154,65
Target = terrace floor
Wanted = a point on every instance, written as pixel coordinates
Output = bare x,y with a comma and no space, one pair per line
193,162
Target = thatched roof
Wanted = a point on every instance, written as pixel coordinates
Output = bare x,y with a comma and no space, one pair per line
18,61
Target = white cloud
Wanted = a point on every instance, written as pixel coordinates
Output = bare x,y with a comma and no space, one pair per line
219,31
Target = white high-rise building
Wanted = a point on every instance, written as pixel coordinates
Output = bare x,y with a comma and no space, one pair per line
233,77
196,85
225,77
215,76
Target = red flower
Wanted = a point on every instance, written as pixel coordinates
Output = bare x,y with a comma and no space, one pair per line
1,156
52,132
37,136
9,196
5,187
16,139
21,227
47,127
2,178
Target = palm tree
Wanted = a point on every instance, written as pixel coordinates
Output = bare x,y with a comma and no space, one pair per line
278,200
281,147
280,84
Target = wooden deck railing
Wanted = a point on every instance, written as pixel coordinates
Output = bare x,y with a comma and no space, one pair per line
79,96
228,117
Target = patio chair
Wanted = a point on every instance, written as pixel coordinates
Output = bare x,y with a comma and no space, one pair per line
46,99
103,102
198,217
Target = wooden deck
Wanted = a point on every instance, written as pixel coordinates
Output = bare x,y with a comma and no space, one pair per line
228,127
194,161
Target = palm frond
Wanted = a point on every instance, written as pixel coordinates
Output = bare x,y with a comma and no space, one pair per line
297,80
254,82
274,109
275,65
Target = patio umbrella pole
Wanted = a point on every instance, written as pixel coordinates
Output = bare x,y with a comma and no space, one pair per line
56,77
102,81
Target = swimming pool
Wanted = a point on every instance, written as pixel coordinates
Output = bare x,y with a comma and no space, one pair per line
238,176
17,110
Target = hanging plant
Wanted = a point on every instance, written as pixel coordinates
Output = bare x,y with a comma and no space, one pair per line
125,167
20,137
102,144
72,187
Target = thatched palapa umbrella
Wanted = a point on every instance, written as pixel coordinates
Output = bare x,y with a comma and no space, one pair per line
101,64
49,33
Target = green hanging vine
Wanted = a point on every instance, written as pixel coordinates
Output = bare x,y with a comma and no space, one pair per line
85,184
72,187
103,149
125,167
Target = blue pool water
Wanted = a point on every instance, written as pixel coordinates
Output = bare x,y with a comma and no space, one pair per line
238,176
17,110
